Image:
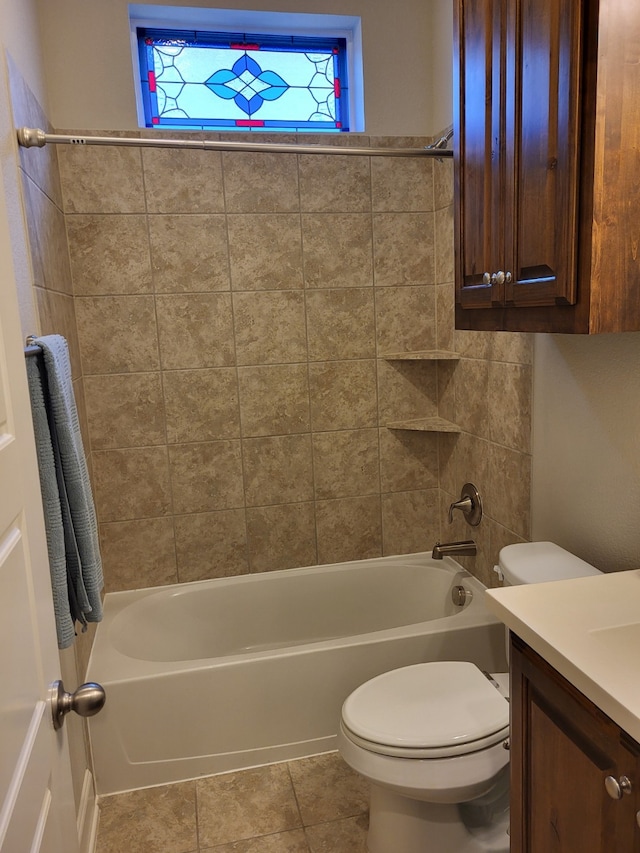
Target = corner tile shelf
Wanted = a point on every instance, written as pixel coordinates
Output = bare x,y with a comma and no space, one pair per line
424,355
425,425
433,424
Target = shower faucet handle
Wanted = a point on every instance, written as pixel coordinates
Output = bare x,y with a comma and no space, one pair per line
470,504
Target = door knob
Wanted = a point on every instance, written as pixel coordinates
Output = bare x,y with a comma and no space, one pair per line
616,788
86,701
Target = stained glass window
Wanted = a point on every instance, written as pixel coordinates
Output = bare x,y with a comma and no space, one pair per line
239,81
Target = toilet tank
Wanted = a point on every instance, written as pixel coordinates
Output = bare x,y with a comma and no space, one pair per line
538,562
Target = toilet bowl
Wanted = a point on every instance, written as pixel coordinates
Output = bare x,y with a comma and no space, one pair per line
432,739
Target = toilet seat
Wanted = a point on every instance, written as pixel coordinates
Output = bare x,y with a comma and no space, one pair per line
429,710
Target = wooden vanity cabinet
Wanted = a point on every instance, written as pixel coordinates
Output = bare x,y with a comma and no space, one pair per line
547,177
562,750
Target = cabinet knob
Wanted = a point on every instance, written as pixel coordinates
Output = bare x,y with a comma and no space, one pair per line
616,788
486,278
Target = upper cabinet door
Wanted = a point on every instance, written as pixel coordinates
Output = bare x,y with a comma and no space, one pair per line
542,111
479,138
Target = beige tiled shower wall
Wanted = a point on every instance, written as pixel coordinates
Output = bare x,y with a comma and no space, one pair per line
233,310
233,313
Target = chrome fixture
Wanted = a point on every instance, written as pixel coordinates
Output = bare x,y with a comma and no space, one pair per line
470,504
467,548
460,596
34,137
441,144
86,701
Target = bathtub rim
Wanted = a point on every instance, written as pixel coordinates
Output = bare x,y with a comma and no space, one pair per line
109,665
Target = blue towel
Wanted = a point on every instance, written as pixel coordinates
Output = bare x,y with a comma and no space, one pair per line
70,520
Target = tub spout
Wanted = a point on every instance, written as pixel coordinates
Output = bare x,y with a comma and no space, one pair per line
454,549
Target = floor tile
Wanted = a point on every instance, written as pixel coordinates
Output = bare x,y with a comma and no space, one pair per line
237,806
293,841
328,789
339,836
151,820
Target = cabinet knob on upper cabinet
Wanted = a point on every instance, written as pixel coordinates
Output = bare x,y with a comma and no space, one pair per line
508,277
501,277
486,278
616,788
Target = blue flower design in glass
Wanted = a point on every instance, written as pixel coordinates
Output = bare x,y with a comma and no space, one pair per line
223,81
247,84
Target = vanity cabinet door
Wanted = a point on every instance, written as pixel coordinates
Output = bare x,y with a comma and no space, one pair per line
563,748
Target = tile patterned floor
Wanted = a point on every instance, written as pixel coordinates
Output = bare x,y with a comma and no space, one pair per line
312,805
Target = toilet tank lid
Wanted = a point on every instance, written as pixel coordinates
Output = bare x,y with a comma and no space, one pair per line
537,562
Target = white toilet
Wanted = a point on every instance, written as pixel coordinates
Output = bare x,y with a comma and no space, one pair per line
431,739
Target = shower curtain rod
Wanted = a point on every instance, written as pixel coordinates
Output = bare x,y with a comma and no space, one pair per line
30,137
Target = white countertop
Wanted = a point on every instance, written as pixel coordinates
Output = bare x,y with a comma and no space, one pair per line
589,630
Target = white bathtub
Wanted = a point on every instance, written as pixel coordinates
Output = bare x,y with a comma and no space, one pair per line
225,674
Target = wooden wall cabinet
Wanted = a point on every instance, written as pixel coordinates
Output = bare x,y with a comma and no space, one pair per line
547,170
563,748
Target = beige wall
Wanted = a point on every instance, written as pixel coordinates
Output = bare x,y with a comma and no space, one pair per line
90,78
586,483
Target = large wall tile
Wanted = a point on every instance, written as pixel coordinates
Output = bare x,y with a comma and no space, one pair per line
201,405
125,410
260,182
109,254
195,330
211,545
405,319
138,553
265,252
269,327
277,469
340,324
101,179
47,239
281,537
349,529
408,460
131,483
406,389
343,394
510,393
206,476
334,183
509,491
472,396
274,399
338,249
444,245
58,315
402,183
346,463
189,253
410,521
404,248
184,181
117,334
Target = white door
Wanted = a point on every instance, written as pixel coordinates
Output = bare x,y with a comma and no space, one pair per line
36,797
